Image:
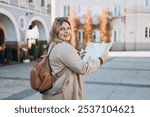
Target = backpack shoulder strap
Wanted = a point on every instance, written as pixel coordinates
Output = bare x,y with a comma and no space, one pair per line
51,46
57,75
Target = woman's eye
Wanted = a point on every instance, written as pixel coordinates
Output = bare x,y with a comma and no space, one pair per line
62,29
68,28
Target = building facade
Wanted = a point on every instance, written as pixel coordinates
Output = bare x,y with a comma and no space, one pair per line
17,17
130,20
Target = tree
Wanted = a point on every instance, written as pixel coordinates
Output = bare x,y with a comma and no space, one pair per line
105,26
88,27
74,25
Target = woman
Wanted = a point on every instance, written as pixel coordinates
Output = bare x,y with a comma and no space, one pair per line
65,58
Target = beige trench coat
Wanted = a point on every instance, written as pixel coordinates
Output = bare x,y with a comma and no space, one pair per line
69,86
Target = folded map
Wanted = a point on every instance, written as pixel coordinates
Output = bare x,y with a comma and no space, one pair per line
95,50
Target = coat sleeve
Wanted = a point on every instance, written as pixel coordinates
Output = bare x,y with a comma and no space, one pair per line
70,58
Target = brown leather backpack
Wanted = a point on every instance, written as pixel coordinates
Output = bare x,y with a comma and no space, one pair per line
41,78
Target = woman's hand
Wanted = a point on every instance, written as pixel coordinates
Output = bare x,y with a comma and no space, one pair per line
82,53
105,57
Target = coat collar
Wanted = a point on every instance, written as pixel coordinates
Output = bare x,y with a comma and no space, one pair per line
58,41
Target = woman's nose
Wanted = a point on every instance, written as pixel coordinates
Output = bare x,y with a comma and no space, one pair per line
66,31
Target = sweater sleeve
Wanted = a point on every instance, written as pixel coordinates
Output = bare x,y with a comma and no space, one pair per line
71,59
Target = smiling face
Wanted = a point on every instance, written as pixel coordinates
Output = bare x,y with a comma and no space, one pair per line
64,32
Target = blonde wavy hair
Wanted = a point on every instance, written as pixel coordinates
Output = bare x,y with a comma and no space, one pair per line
56,27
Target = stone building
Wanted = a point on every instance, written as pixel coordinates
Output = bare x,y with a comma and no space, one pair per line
130,20
17,17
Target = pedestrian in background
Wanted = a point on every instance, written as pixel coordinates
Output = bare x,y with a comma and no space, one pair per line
64,57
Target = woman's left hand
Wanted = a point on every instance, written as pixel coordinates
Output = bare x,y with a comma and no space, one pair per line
105,57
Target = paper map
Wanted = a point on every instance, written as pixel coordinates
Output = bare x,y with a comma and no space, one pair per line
95,50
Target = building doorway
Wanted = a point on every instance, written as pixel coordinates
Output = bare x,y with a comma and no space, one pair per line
1,37
1,46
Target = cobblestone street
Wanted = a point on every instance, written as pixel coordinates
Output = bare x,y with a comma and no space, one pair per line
126,76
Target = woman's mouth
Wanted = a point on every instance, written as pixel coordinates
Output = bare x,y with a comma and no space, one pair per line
66,35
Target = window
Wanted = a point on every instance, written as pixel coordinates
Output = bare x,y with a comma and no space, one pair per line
147,3
147,32
117,10
83,35
80,35
42,3
117,35
66,11
94,36
30,0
